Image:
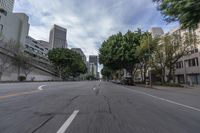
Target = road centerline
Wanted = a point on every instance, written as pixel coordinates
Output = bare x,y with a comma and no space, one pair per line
18,94
64,127
40,88
166,100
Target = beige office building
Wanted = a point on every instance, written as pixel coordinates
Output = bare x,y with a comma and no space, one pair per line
58,37
188,67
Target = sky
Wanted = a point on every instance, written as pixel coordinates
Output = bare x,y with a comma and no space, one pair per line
90,22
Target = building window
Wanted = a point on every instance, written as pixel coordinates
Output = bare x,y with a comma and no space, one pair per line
179,65
36,46
193,62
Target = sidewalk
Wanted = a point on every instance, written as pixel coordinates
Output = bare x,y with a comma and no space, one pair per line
192,87
159,87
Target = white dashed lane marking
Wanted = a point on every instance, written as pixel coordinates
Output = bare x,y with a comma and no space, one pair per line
64,127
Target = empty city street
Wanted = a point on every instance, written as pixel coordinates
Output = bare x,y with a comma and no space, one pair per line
97,107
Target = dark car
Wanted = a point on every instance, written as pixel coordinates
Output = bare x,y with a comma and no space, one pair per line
128,81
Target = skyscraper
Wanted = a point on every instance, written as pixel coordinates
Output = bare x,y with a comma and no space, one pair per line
156,32
93,60
58,37
7,5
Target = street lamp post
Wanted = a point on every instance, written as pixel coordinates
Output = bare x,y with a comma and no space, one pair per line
149,55
150,78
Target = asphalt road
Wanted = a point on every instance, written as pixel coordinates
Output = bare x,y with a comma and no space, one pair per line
97,107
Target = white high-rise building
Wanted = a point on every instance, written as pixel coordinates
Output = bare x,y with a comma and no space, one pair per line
7,5
93,70
58,37
14,27
93,60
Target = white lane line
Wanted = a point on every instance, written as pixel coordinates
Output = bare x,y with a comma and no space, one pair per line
68,122
166,100
41,87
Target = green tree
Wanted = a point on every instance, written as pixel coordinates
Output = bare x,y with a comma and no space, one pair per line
143,52
20,58
91,77
187,12
78,66
61,59
109,52
4,59
167,52
4,64
127,52
27,68
19,61
119,51
67,62
107,73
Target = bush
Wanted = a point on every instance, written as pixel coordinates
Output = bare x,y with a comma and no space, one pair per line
21,78
90,77
32,78
173,85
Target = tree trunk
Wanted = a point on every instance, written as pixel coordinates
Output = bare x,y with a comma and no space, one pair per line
163,76
18,70
170,75
26,75
142,72
174,79
1,74
60,74
142,76
145,72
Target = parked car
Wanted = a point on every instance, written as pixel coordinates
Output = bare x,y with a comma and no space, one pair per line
128,81
116,81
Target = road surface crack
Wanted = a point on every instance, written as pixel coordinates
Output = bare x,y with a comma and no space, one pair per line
42,124
73,98
108,104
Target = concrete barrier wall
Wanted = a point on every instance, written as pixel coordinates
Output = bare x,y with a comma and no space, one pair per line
38,74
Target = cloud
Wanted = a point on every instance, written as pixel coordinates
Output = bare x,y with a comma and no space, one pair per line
89,22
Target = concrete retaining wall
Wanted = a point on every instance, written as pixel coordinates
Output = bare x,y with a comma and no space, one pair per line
37,73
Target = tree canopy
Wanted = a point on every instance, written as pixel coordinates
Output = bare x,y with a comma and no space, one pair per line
67,62
187,12
107,73
144,52
166,54
118,51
